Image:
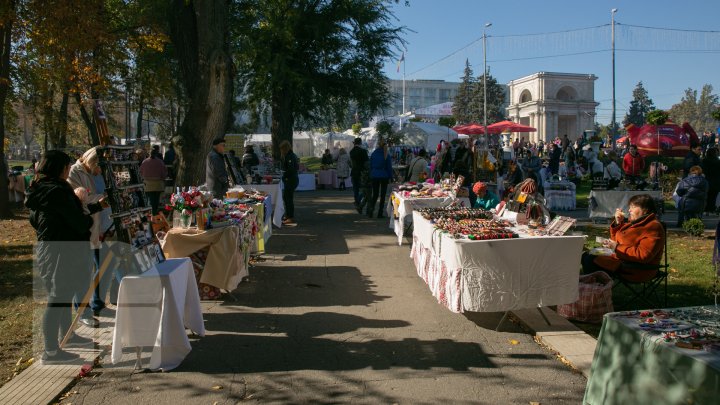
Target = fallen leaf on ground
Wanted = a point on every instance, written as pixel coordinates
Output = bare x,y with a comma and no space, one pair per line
514,342
217,387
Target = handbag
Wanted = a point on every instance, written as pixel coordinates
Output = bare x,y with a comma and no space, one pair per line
594,299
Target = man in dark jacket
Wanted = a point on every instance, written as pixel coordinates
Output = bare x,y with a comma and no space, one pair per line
358,158
216,175
692,158
249,159
693,191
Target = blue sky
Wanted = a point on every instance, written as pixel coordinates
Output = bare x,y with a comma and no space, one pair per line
443,33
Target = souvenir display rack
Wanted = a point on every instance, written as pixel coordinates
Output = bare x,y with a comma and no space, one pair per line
131,213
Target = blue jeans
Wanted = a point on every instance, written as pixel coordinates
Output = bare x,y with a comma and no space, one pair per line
97,302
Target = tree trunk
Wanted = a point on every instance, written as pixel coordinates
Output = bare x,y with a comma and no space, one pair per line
138,125
199,31
282,121
87,119
6,37
61,122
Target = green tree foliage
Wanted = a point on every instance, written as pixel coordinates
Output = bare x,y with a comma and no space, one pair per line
657,117
463,109
447,121
303,58
495,100
640,106
385,131
696,111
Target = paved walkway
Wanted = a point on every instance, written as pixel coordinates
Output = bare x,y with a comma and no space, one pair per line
337,314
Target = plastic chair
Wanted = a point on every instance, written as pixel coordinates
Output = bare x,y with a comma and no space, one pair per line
644,291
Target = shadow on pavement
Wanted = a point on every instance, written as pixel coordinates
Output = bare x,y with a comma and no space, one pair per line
271,353
271,287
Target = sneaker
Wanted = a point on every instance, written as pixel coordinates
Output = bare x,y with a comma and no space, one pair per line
61,356
90,322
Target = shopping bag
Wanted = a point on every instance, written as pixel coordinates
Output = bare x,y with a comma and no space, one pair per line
594,299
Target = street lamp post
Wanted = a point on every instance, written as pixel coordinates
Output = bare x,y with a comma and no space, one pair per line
487,25
612,30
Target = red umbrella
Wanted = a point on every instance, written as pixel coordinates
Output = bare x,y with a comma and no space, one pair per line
509,126
469,129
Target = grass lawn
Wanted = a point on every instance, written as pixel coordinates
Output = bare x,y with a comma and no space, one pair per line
17,238
312,163
690,276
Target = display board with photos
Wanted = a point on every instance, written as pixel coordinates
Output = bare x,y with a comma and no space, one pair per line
131,213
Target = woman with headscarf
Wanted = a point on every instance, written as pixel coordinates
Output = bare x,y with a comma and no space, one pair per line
62,253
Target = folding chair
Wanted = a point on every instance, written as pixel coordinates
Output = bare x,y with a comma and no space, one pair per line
645,291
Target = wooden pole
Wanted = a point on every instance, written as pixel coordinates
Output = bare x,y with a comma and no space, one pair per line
83,304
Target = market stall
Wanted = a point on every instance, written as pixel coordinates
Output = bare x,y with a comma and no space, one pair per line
306,182
510,271
274,190
153,310
560,195
328,179
603,203
226,232
669,356
408,197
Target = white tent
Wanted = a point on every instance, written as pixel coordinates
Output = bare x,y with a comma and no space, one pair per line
330,140
302,142
426,135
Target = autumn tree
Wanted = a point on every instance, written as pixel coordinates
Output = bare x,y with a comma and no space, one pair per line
696,111
7,19
301,58
463,109
640,106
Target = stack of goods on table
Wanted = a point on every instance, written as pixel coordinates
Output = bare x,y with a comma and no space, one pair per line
696,328
468,223
424,190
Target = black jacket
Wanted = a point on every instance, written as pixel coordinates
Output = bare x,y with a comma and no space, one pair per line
693,189
358,158
56,213
290,167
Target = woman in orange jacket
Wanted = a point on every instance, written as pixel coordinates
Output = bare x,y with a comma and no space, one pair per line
639,241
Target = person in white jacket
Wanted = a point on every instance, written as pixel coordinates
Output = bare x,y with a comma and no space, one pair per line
613,174
81,176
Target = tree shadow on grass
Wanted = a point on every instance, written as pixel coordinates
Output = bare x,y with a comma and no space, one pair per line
16,274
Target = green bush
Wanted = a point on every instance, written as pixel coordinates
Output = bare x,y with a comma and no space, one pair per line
356,128
694,227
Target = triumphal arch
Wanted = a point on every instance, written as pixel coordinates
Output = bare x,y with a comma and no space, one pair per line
554,103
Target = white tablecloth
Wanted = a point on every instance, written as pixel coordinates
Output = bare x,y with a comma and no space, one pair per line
603,203
154,309
562,200
496,275
406,206
275,190
306,182
329,178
